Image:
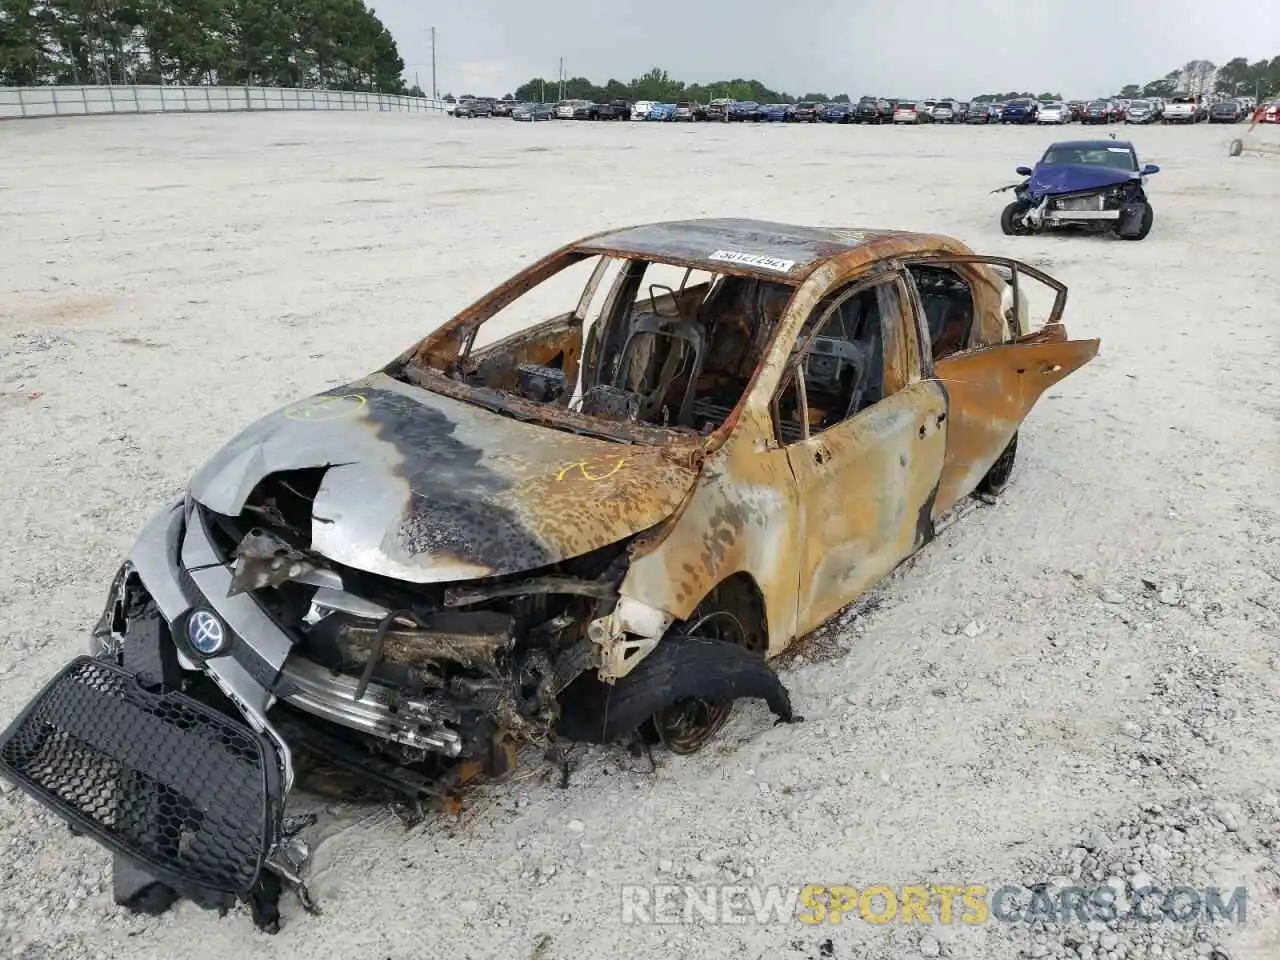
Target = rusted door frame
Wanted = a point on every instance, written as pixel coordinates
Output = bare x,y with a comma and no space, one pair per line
878,273
1014,266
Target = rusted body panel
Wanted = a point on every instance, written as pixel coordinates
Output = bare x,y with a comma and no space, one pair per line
813,538
746,247
866,487
990,392
743,516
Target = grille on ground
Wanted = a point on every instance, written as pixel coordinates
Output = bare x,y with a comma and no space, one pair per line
177,786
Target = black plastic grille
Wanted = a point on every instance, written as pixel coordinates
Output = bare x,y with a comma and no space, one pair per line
159,777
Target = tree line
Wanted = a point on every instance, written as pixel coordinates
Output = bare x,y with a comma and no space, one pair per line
1012,95
1235,78
337,44
657,85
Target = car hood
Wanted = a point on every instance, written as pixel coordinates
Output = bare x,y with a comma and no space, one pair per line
424,488
1071,177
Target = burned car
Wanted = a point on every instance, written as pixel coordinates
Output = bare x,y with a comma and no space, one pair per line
601,526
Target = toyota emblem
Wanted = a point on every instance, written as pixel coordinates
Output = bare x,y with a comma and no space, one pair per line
206,632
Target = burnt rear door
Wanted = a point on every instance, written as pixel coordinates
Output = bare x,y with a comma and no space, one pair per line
992,385
990,391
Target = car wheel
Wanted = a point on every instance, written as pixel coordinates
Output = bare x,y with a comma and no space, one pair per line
1010,222
681,694
996,479
1146,221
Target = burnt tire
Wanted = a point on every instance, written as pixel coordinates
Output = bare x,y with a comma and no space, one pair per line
679,669
996,479
1146,220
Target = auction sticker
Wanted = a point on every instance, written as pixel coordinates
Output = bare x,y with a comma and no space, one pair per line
329,407
753,260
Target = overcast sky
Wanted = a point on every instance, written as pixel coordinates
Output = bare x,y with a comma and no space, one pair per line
902,48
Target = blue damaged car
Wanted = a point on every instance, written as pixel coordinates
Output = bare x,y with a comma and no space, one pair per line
1091,184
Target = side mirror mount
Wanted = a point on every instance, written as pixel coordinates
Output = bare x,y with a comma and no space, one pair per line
1023,171
1149,169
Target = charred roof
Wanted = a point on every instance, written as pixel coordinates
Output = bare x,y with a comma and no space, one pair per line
758,248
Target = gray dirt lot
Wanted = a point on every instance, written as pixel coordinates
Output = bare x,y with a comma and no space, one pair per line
1014,705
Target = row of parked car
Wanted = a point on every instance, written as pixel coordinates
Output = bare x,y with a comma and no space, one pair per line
1180,108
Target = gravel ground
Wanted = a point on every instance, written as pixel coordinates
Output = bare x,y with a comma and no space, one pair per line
1077,685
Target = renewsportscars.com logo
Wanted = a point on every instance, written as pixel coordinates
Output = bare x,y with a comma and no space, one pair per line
945,904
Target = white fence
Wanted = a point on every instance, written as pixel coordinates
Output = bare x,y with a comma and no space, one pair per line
22,102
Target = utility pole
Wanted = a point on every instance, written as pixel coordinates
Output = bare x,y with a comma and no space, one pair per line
435,91
562,78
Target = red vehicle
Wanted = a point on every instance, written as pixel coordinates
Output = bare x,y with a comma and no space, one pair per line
1267,112
1115,111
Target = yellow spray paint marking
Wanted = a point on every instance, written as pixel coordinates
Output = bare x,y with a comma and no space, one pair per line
581,467
317,409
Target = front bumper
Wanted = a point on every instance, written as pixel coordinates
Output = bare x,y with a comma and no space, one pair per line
193,793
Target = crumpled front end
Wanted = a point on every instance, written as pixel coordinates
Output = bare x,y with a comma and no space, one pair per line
221,656
1060,195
